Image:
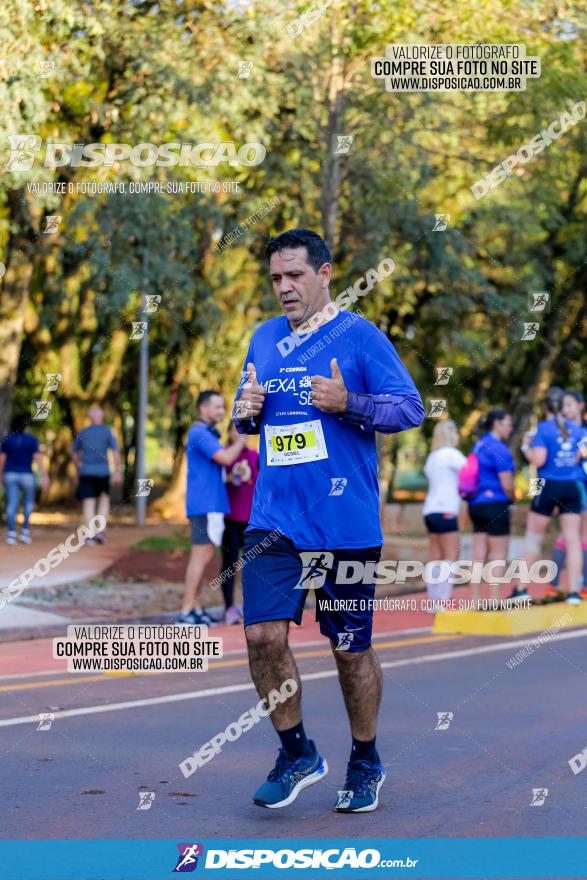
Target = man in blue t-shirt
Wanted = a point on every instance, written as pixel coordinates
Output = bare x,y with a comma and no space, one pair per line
206,498
319,382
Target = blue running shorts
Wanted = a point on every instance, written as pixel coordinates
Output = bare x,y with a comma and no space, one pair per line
276,576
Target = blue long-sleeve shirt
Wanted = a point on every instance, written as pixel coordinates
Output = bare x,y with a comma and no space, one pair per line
318,480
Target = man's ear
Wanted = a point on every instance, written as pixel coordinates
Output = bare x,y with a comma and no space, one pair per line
325,272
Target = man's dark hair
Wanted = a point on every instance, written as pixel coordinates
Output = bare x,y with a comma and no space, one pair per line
204,397
318,250
18,423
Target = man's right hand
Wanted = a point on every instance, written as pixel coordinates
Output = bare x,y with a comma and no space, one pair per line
250,403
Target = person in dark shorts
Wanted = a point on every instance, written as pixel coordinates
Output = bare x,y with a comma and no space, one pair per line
90,454
573,409
554,450
442,502
206,498
17,453
489,508
241,477
316,505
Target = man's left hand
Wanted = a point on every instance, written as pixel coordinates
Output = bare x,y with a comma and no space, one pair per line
330,395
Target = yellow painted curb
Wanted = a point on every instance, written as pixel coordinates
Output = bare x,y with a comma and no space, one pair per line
511,623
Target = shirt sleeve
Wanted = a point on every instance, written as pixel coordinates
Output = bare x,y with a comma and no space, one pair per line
457,459
77,444
539,438
204,442
34,444
112,444
242,424
392,402
4,445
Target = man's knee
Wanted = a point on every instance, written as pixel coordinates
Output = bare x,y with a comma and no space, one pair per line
268,637
347,659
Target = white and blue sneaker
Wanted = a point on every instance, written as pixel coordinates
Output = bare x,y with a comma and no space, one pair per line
361,791
289,777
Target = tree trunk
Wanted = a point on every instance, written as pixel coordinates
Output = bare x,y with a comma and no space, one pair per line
14,295
331,166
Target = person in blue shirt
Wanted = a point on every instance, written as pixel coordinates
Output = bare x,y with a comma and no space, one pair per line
17,453
489,508
554,450
319,382
206,498
90,455
573,409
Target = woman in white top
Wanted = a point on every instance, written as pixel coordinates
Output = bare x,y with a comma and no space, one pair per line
441,507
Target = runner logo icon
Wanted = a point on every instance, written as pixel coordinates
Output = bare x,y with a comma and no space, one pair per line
444,719
539,795
338,485
315,566
344,641
187,860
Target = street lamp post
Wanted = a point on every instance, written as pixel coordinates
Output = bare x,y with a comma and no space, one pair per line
141,499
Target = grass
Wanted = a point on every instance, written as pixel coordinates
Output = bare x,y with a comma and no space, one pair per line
177,541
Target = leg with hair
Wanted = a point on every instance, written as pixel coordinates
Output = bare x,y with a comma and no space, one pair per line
480,550
271,663
498,551
299,763
571,531
361,682
200,556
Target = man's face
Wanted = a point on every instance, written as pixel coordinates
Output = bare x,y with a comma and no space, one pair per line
300,290
212,411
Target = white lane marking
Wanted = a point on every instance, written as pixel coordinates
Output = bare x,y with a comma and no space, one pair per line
312,676
293,645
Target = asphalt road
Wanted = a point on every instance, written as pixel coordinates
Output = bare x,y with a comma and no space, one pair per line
512,730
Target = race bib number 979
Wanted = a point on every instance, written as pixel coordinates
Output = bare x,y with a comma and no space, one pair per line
295,444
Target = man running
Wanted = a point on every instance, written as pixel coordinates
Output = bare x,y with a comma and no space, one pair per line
319,382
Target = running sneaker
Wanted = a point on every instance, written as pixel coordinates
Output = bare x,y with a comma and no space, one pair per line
100,537
11,538
231,616
518,595
574,599
551,591
204,619
25,537
89,542
188,618
361,791
583,592
290,776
